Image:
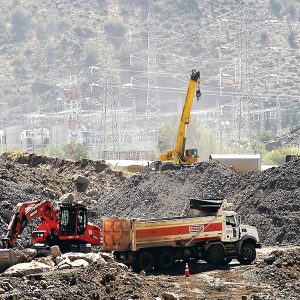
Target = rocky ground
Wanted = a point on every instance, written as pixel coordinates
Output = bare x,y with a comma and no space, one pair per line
268,200
97,276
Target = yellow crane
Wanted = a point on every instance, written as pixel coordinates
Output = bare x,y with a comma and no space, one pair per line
179,156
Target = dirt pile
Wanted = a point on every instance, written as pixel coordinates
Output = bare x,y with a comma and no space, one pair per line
281,269
53,176
269,200
101,279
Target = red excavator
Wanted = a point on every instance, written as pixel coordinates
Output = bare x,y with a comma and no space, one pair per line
68,226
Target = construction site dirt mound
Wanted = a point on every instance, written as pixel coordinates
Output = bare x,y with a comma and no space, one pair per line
280,269
269,200
24,174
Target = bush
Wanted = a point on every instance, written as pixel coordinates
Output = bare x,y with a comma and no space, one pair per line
277,7
19,20
292,40
277,156
115,27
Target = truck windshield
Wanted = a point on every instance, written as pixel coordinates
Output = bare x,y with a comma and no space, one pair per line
230,220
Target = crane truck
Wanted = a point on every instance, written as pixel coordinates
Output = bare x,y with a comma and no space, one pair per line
65,227
180,156
209,232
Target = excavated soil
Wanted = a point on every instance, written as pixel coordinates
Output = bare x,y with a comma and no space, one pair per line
269,200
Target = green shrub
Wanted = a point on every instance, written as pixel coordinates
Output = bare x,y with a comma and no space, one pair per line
115,27
277,156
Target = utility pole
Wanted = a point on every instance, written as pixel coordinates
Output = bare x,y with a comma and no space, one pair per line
153,104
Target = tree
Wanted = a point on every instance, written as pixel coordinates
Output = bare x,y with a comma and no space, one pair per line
277,156
19,20
198,136
76,151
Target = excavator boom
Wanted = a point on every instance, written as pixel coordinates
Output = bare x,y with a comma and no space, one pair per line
28,211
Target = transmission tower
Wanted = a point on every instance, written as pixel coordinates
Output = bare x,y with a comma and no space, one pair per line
72,101
109,126
153,105
243,84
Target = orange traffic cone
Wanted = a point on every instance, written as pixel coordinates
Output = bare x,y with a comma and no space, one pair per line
187,270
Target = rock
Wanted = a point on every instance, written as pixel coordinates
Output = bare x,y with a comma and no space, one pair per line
78,255
92,193
23,269
167,296
2,291
82,180
79,263
47,261
107,257
30,253
270,259
64,267
65,264
55,251
101,261
67,198
58,260
123,267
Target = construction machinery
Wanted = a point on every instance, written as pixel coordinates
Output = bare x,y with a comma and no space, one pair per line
180,156
68,226
209,232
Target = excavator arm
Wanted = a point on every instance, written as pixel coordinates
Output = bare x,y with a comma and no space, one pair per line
29,211
186,113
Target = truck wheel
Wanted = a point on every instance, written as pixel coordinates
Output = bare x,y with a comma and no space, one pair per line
165,258
168,167
215,255
145,261
247,254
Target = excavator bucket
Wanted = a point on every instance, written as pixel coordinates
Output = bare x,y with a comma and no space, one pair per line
8,258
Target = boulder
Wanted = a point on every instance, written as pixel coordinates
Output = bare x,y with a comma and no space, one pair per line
67,198
167,296
79,263
47,261
82,180
23,269
30,253
55,251
107,257
78,255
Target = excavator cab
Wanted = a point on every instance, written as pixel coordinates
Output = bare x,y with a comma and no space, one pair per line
73,219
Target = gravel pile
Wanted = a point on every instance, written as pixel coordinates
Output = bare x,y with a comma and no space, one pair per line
269,200
98,281
281,270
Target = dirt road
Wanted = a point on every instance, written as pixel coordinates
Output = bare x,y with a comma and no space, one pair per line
234,281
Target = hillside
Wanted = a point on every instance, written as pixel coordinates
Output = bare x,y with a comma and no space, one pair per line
40,39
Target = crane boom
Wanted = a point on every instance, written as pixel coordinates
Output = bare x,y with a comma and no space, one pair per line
179,156
186,114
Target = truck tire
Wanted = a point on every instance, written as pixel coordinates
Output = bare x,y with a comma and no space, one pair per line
215,254
168,167
165,258
145,261
247,254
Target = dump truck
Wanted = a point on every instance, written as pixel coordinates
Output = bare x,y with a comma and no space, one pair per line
208,231
180,157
